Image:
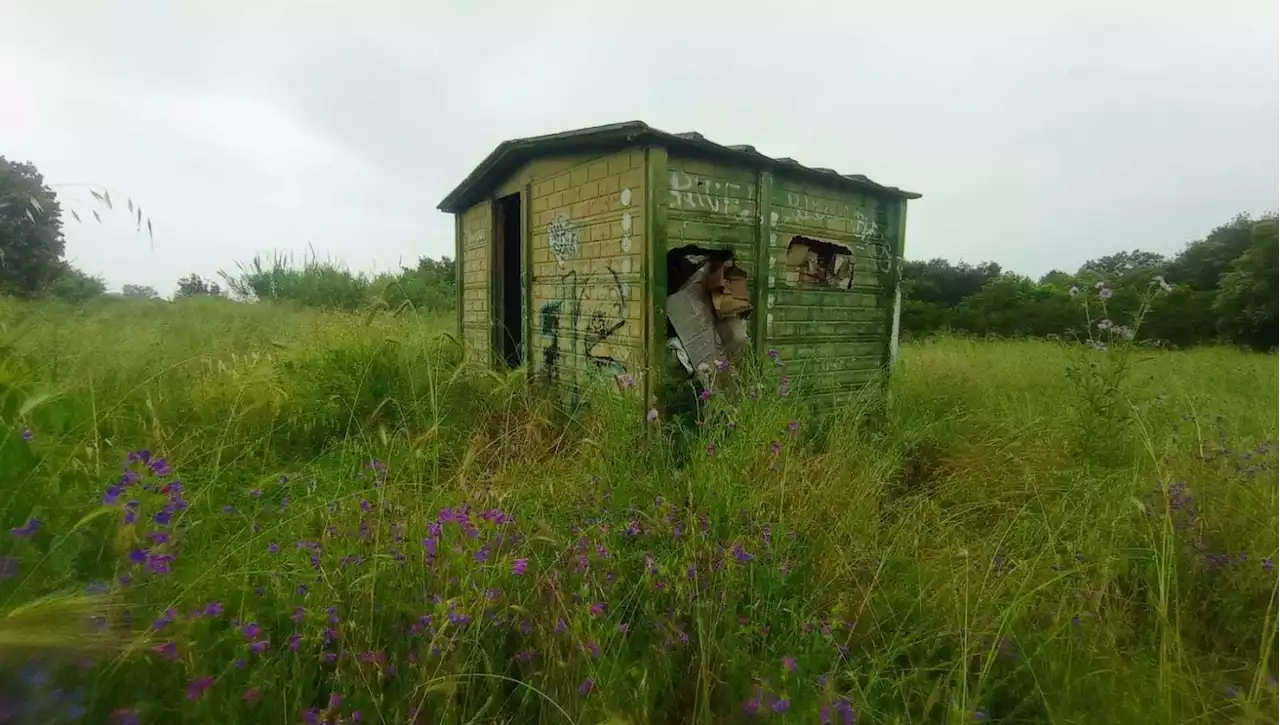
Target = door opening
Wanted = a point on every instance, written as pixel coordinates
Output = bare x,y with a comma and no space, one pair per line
508,302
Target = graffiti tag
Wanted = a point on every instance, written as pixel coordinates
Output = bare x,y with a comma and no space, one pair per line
699,194
589,324
562,236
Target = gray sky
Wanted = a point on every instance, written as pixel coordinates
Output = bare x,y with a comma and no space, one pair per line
1039,137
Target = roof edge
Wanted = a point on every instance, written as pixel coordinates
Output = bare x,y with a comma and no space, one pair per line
511,151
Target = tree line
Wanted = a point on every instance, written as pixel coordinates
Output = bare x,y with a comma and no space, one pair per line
1222,288
33,263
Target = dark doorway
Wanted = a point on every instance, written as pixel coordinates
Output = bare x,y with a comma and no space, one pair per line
507,263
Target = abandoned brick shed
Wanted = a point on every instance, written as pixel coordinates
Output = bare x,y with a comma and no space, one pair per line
630,254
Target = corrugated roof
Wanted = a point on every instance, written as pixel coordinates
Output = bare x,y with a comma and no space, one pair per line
509,155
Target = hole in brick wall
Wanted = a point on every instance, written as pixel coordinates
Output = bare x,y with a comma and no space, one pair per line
819,263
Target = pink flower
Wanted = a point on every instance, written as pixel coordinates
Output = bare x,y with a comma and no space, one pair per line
519,566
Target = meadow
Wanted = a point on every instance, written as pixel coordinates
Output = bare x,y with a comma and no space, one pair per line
216,511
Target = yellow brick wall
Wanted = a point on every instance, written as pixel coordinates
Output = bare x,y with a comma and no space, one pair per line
477,224
588,249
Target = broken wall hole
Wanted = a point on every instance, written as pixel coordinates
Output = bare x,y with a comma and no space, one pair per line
819,263
707,312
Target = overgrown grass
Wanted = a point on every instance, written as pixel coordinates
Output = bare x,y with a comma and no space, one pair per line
358,515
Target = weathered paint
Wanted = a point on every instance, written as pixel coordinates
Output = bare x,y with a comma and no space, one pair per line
477,327
835,339
588,278
655,250
597,229
713,206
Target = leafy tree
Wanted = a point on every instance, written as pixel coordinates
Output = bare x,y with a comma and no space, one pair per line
1059,279
31,242
1203,262
1013,305
193,286
74,286
1114,267
941,283
138,292
1246,301
432,285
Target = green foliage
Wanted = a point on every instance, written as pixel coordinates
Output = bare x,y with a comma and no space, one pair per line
31,243
1221,288
193,285
962,557
1246,304
74,286
139,292
432,285
429,287
1201,265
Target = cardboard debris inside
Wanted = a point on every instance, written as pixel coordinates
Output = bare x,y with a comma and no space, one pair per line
818,264
707,315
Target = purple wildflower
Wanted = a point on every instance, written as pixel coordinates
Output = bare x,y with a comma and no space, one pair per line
167,649
295,641
335,701
26,530
298,615
273,548
519,566
789,662
27,435
251,695
160,467
124,716
197,687
159,563
165,619
597,609
251,630
793,426
587,686
781,705
213,609
112,496
259,646
256,492
705,395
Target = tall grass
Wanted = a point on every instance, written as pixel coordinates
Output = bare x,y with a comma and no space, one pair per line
426,288
360,515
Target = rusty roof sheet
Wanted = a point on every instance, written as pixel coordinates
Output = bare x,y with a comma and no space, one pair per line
509,155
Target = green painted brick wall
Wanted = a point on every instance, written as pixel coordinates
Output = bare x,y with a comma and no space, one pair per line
836,340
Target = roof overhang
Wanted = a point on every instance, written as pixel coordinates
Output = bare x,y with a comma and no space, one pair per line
507,158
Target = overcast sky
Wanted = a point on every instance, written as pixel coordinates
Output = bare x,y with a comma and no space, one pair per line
1040,138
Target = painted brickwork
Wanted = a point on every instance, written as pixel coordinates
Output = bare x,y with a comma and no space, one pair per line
836,339
587,228
713,206
476,249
